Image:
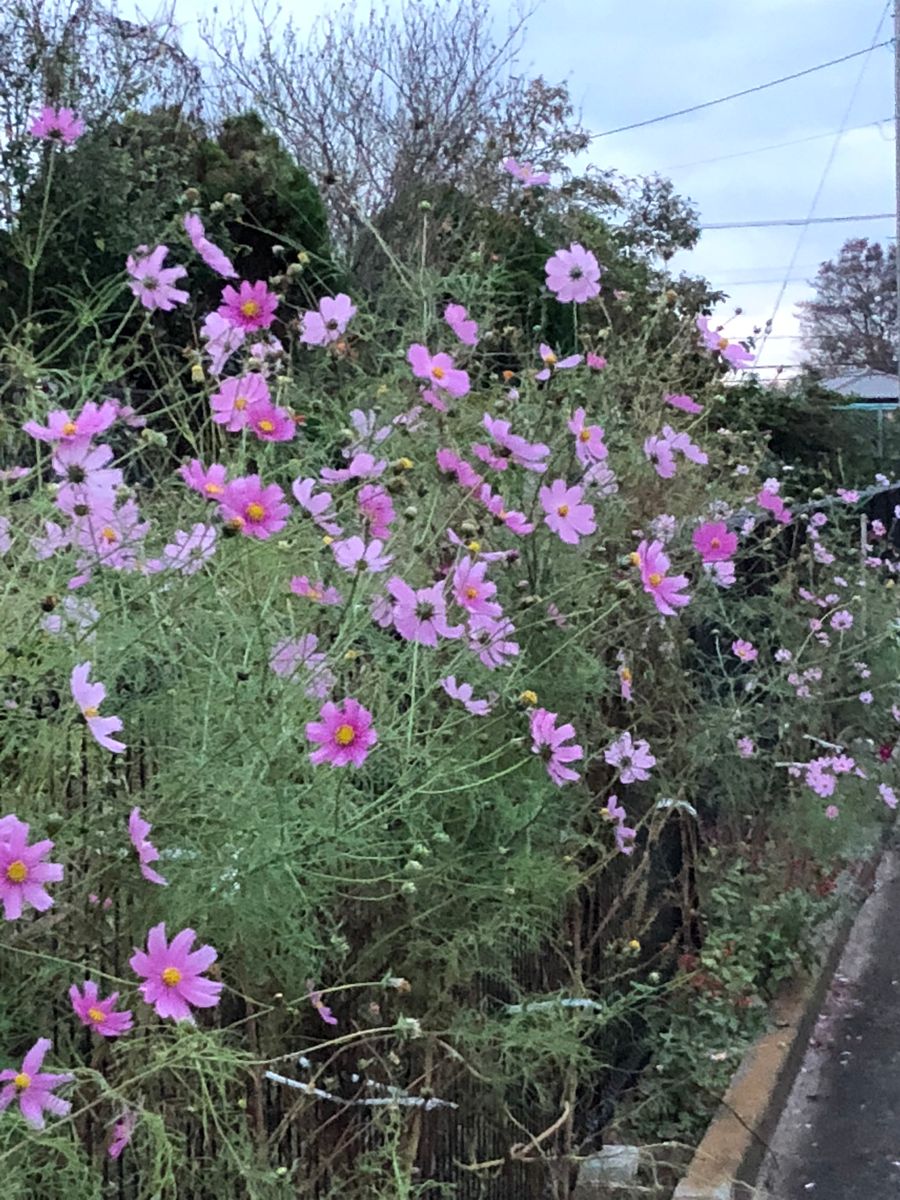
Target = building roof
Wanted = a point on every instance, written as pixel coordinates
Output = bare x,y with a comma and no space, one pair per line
866,385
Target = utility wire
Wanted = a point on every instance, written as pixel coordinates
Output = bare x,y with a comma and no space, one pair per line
760,87
799,221
815,137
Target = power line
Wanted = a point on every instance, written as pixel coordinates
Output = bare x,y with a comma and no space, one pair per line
799,221
816,137
760,87
758,282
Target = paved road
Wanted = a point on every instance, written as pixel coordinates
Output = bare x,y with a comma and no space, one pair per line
839,1137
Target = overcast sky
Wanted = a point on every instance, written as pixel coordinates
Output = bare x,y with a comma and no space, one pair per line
628,61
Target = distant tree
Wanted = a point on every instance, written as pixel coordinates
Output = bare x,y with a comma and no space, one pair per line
853,320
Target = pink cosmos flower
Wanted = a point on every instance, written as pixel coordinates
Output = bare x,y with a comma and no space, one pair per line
208,481
633,759
746,747
89,696
547,740
472,591
732,352
553,363
565,514
722,573
316,505
88,478
297,660
33,1088
491,640
353,554
222,339
187,552
57,125
61,427
820,778
270,423
23,871
217,260
626,680
525,173
866,698
684,403
173,974
832,812
252,509
510,447
112,537
317,592
658,451
682,443
463,693
745,651
249,308
573,274
343,732
624,834
842,620
888,795
589,445
361,466
713,542
596,362
377,510
327,323
462,324
879,529
147,853
450,463
232,403
774,504
438,369
123,1130
666,590
151,282
315,999
514,521
98,1014
421,615
848,495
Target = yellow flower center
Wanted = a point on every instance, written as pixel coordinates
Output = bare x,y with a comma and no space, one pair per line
235,523
240,403
17,872
634,558
655,579
344,735
171,976
437,372
314,594
474,546
528,697
266,425
550,359
108,534
715,544
723,343
212,489
22,1081
250,308
584,436
472,593
90,712
255,511
563,510
97,1015
406,464
69,429
625,675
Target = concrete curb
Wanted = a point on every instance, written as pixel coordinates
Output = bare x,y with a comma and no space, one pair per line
726,1164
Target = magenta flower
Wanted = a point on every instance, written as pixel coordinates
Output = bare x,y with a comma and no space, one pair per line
463,693
151,282
510,448
173,974
98,1014
589,444
596,362
208,481
553,363
217,260
293,657
123,1131
658,451
888,795
34,1088
57,125
252,509
270,423
421,615
745,651
89,696
666,590
774,504
472,591
450,463
249,308
353,554
492,640
713,542
147,853
848,495
232,403
377,509
832,812
462,324
684,403
343,733
222,339
525,173
317,592
315,999
547,740
573,274
88,478
438,369
624,834
23,871
732,352
841,620
326,324
633,758
565,514
60,427
746,747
